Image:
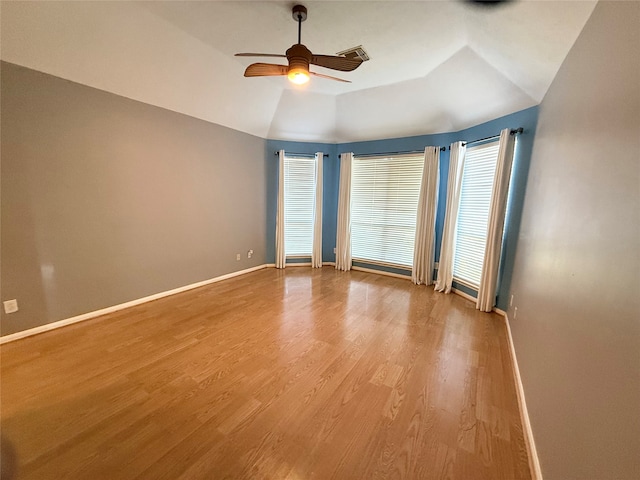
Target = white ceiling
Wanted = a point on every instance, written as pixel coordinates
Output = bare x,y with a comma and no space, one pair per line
436,66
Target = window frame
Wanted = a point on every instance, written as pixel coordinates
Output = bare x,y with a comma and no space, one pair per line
288,159
384,161
468,282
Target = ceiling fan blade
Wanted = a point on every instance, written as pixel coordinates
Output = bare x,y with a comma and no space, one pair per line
329,77
260,55
336,63
265,70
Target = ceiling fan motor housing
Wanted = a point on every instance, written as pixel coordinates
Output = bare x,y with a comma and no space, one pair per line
299,56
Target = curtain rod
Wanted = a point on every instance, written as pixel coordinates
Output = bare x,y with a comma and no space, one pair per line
513,132
310,155
385,154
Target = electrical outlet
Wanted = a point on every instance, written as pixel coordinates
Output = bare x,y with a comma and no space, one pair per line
250,254
10,306
238,256
515,313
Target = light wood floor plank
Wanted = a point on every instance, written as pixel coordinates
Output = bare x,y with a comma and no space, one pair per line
295,374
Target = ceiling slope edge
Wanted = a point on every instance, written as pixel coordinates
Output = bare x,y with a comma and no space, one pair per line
155,62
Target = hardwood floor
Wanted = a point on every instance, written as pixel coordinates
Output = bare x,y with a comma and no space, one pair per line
295,374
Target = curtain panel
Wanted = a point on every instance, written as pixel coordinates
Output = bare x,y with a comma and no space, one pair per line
316,254
423,252
343,233
281,258
454,184
488,281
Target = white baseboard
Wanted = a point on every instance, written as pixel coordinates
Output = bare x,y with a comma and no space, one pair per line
121,306
500,312
534,462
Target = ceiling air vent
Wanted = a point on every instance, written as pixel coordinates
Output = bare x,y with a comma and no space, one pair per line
355,52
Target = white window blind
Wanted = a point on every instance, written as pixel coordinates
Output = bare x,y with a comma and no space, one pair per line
299,203
473,214
384,202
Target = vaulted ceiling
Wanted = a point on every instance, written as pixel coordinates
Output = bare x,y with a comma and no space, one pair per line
436,66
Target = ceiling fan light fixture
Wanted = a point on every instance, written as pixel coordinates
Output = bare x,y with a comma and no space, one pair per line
298,75
299,57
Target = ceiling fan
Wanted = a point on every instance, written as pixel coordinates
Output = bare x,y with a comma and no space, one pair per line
299,58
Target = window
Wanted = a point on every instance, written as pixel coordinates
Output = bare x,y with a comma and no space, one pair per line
384,203
299,204
473,214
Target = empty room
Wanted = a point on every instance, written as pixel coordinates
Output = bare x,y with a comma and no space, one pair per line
320,240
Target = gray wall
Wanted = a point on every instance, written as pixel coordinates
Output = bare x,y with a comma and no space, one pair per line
577,271
106,200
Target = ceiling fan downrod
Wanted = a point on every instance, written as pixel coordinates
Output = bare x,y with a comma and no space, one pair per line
299,14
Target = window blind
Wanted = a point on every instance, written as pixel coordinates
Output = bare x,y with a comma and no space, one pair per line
473,214
384,202
299,203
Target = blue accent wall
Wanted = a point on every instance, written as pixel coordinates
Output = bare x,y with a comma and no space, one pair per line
526,119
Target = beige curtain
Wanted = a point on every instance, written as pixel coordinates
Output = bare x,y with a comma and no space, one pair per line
454,184
343,234
316,254
281,258
422,271
488,280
